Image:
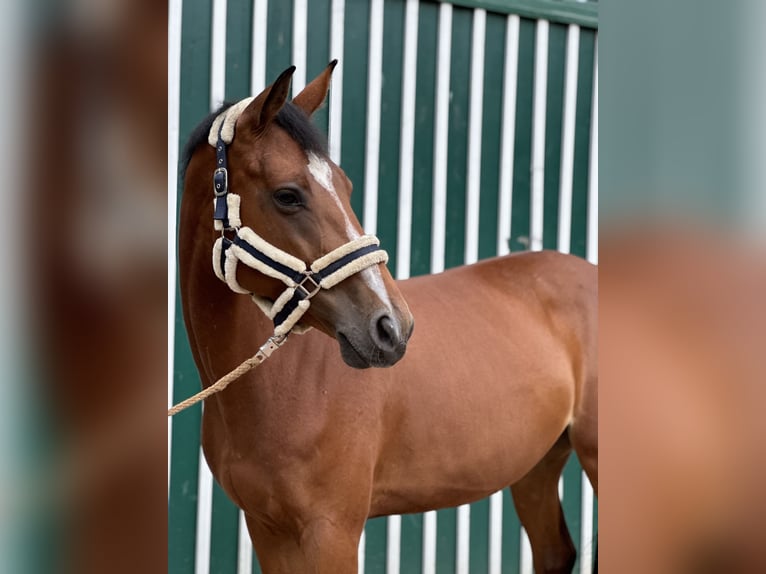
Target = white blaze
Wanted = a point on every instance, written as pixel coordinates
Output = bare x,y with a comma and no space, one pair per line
321,171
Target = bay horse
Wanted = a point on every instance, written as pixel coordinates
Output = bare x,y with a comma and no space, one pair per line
498,383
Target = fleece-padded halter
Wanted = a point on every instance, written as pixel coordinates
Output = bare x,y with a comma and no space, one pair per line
246,246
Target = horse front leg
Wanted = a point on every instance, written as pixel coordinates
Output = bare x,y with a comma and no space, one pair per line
321,546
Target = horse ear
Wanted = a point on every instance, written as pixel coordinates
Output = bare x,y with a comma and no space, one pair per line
267,104
314,94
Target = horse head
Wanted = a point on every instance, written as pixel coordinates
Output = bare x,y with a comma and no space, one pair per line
296,199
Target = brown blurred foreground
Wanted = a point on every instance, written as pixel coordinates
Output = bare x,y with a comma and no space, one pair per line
682,394
98,282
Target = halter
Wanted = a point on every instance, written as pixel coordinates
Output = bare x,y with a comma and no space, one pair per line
302,281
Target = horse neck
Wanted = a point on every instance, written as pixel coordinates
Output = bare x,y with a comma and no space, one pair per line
224,327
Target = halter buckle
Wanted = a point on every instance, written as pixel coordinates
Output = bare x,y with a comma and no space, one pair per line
313,289
220,182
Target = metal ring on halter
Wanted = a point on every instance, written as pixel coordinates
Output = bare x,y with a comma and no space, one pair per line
308,276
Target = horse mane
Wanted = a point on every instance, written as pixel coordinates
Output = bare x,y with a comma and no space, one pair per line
290,118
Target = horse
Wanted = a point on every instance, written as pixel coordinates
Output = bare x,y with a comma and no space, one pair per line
495,387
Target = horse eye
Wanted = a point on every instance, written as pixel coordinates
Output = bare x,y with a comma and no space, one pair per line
287,198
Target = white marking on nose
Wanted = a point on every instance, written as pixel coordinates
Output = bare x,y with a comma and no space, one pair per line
321,171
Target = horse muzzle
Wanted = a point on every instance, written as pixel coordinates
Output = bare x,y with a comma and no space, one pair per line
382,344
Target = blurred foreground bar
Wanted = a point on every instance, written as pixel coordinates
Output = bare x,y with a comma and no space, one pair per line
88,492
682,287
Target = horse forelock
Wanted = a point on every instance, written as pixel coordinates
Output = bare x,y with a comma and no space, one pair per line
290,118
301,129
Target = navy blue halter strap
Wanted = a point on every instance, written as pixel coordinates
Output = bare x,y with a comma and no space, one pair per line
221,182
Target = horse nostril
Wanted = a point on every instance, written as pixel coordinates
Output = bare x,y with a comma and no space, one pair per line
387,333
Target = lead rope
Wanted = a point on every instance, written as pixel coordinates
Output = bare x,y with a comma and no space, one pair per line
263,353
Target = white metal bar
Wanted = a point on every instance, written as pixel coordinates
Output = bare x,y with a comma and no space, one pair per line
175,10
496,532
508,141
568,139
300,24
260,43
337,29
407,141
538,136
463,549
526,554
586,530
473,191
374,88
592,250
429,542
393,544
218,55
204,515
360,552
244,548
439,213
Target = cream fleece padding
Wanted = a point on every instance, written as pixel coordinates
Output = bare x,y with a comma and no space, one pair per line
229,275
281,301
343,250
262,245
229,119
230,270
271,310
232,203
292,318
217,259
355,266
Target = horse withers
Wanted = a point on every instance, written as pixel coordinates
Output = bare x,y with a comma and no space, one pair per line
494,388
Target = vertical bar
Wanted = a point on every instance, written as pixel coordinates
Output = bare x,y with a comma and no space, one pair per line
260,42
224,532
457,136
429,542
389,151
554,115
526,554
361,553
336,92
374,86
300,34
393,544
218,55
204,512
593,181
182,504
318,51
407,142
538,136
568,139
579,219
463,546
440,138
356,62
586,531
175,9
423,169
496,533
239,42
509,134
491,147
511,536
474,136
244,548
